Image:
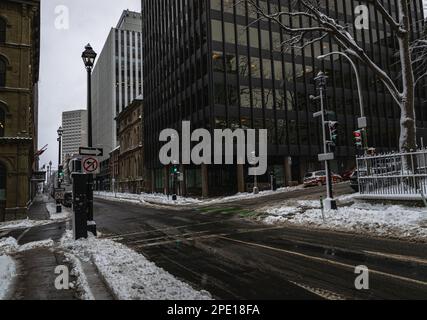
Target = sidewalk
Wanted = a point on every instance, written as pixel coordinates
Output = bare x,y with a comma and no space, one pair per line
35,274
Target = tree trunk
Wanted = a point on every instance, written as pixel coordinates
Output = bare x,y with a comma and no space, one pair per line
408,132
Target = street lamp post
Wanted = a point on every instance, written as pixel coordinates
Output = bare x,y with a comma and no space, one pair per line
362,121
329,203
58,201
50,176
89,56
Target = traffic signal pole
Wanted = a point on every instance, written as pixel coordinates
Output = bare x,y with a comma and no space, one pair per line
329,202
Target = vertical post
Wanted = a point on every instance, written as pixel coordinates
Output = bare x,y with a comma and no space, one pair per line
330,203
325,148
89,108
58,201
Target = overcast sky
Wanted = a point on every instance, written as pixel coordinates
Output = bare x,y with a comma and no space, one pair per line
62,75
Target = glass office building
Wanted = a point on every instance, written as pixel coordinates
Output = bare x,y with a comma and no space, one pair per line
212,62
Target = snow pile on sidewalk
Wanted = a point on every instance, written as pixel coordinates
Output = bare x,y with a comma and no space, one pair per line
65,215
7,273
129,274
393,221
243,196
145,198
21,224
10,245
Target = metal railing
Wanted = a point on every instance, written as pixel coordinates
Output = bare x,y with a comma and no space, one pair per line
393,175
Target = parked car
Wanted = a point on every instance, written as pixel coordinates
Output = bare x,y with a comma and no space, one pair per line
346,176
318,178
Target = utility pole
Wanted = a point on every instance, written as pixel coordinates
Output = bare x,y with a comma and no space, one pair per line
58,201
329,202
89,56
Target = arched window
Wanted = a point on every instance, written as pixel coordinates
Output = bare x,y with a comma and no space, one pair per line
2,72
2,122
2,30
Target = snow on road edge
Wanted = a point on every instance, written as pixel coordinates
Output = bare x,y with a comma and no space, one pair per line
129,274
161,199
7,274
393,221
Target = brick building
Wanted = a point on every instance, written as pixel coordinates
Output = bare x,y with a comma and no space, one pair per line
19,69
131,157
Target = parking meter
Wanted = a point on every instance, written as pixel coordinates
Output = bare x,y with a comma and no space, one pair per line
80,206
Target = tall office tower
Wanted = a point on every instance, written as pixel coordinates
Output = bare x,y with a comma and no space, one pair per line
214,63
116,79
74,124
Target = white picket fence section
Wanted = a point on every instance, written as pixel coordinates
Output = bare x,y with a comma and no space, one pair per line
393,176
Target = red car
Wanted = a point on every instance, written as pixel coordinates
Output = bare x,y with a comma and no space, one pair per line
346,176
318,178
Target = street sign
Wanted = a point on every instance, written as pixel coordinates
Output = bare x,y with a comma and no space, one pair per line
326,157
39,176
59,194
91,152
90,165
362,122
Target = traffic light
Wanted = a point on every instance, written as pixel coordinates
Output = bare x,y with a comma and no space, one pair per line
358,139
333,130
61,172
175,170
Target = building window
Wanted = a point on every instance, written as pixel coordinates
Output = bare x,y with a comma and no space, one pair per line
2,72
2,30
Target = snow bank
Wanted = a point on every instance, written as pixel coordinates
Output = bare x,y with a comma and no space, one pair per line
145,198
7,273
243,196
21,224
10,245
161,199
382,220
82,284
129,274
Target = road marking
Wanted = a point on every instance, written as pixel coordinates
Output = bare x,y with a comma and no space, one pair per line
218,235
324,294
301,255
112,237
22,235
397,257
178,237
174,241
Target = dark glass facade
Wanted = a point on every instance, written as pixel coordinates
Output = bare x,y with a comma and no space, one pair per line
213,63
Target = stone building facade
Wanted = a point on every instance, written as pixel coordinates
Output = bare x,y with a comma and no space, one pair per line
19,69
131,157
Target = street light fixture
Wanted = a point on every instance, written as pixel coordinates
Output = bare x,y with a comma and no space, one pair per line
362,121
89,56
329,202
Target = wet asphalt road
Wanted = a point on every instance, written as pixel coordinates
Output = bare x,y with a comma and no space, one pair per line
232,257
